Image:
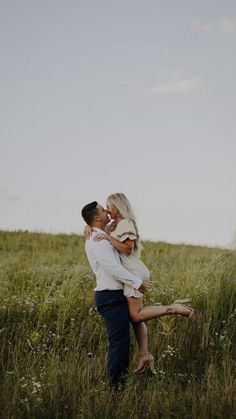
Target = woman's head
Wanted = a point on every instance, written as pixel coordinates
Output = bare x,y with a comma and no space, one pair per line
119,206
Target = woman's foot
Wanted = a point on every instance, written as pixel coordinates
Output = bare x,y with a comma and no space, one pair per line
182,309
145,360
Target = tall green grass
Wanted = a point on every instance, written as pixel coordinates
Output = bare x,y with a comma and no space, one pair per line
53,342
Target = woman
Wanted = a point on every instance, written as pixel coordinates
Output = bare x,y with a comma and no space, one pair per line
123,234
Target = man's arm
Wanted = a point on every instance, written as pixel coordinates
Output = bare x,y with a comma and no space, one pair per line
104,255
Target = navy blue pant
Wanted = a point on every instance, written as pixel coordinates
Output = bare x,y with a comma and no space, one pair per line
113,307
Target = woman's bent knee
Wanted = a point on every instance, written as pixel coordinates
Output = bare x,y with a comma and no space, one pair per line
135,317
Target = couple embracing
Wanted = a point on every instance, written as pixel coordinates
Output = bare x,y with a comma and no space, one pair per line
113,250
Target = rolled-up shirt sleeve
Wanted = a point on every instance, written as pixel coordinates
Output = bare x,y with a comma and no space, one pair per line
104,255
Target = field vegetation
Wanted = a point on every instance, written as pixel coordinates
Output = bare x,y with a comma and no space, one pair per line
53,343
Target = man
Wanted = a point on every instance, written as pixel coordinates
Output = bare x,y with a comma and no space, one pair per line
109,298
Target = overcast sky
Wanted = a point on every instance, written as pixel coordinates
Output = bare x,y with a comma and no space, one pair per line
125,96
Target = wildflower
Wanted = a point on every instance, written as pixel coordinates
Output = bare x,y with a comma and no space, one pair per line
162,373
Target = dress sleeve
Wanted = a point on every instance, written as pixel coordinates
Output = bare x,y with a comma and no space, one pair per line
126,230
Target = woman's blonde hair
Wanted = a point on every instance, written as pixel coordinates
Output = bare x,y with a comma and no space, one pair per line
123,205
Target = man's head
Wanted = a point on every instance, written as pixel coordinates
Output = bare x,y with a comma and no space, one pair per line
95,215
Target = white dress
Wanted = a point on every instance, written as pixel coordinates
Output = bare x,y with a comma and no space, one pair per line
123,231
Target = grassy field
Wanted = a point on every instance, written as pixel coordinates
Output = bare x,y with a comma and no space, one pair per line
53,342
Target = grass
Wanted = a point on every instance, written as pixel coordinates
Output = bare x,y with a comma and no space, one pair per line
53,342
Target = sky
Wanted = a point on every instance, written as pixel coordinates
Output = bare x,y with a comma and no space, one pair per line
99,97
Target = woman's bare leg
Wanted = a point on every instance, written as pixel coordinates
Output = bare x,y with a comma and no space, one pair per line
141,333
139,314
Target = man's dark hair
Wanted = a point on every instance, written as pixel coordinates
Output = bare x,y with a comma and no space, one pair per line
89,211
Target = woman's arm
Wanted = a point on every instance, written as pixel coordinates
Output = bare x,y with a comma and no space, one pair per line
126,247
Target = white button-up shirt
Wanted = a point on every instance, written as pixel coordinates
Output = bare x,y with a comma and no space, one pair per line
105,263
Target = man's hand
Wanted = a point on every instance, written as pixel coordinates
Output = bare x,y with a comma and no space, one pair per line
111,227
143,288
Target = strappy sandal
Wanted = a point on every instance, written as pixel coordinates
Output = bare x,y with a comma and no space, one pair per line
184,303
149,363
